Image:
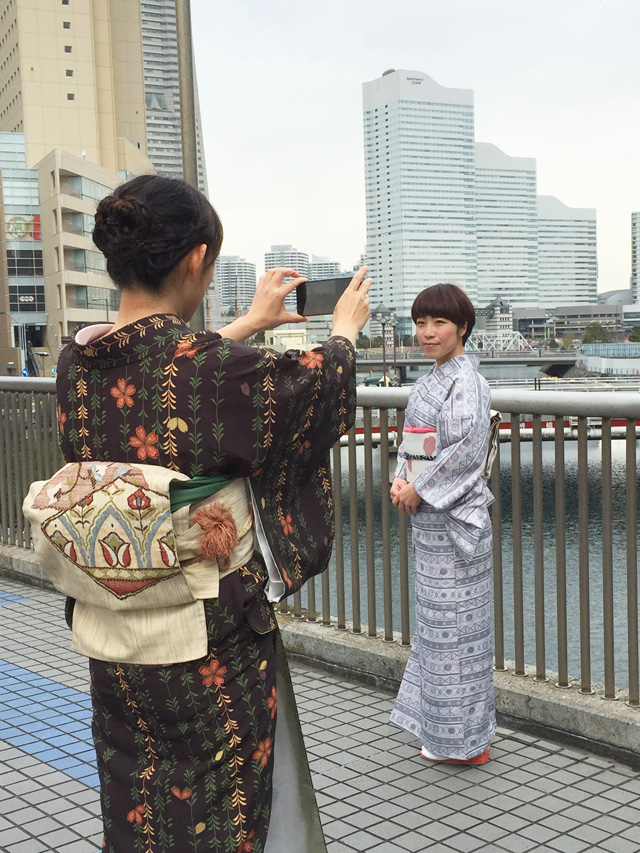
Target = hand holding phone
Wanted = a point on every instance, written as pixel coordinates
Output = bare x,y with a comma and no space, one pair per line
319,296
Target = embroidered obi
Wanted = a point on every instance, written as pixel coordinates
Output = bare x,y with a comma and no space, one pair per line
106,536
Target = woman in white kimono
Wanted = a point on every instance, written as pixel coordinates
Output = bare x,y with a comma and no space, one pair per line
446,697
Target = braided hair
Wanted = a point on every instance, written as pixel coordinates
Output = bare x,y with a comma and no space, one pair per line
148,225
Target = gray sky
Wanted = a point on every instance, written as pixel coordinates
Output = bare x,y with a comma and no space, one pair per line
281,99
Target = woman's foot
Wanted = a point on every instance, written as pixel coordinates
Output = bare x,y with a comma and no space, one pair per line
482,758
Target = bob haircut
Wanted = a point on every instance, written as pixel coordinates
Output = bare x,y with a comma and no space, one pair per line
448,301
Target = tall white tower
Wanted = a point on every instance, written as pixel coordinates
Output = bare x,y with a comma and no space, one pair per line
420,188
567,260
162,90
635,256
506,227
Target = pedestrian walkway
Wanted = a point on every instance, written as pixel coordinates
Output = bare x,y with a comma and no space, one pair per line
376,794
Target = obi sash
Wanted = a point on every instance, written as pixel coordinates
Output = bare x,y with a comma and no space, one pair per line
106,535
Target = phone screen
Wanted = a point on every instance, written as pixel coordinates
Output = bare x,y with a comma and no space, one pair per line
320,296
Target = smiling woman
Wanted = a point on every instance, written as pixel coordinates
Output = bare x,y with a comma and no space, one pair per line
446,695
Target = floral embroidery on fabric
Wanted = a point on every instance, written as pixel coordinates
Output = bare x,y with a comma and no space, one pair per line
263,752
272,702
62,419
99,514
144,442
312,360
123,393
287,525
213,673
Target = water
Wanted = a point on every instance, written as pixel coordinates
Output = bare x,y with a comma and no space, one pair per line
571,510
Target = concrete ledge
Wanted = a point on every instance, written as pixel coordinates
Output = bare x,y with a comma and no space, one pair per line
22,565
603,726
606,727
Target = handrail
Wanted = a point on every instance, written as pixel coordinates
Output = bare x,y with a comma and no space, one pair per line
556,519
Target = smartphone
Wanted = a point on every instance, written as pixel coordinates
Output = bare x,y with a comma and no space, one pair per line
320,295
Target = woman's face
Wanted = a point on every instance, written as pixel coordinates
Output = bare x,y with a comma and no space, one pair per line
439,338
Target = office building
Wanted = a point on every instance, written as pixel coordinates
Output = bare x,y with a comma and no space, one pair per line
234,279
162,92
420,188
23,318
443,208
322,267
635,256
567,263
74,99
506,227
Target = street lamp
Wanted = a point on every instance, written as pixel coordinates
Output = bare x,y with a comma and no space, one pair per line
393,322
383,315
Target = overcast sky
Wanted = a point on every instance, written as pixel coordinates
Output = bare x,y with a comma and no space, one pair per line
281,99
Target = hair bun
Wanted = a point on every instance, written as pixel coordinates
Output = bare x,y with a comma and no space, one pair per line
123,224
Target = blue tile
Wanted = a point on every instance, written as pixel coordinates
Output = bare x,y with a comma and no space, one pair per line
9,598
56,728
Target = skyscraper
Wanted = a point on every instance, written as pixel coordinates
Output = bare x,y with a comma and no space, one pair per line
74,101
322,267
235,280
506,227
635,256
567,264
443,208
162,92
420,188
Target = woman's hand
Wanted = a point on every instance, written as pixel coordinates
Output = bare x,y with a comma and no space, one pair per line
267,310
406,499
352,309
397,484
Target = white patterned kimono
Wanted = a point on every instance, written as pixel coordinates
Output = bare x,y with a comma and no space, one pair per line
446,697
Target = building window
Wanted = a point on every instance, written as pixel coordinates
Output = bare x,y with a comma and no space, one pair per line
66,25
70,96
65,2
67,48
69,72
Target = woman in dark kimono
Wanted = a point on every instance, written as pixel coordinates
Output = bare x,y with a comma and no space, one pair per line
186,748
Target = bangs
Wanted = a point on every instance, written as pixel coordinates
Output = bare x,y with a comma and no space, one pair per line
448,301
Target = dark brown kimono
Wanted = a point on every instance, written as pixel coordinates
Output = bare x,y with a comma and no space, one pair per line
185,752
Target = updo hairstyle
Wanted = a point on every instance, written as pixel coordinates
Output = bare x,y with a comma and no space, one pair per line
148,225
448,301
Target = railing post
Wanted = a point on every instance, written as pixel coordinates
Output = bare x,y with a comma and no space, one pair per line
516,537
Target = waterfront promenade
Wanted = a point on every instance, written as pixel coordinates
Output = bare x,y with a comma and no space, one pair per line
375,794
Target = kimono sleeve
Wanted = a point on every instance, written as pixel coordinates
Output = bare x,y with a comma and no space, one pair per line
454,484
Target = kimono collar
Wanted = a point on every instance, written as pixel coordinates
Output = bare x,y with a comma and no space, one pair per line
99,345
455,364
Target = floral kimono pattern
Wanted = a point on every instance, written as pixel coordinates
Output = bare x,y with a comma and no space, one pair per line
446,695
185,752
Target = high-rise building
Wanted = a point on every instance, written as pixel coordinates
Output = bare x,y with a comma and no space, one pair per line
420,188
506,227
443,208
286,255
74,98
235,281
21,272
567,264
322,267
635,256
74,80
162,92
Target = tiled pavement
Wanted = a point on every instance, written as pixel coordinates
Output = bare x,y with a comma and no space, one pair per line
375,793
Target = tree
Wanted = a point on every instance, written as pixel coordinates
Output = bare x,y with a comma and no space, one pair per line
567,340
595,333
634,337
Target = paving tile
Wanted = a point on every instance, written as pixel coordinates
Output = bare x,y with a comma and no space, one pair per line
567,844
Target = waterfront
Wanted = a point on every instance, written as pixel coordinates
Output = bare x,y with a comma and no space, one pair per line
571,509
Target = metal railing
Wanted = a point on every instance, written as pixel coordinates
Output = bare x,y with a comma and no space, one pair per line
567,580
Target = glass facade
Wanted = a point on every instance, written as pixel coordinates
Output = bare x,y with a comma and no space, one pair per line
25,282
